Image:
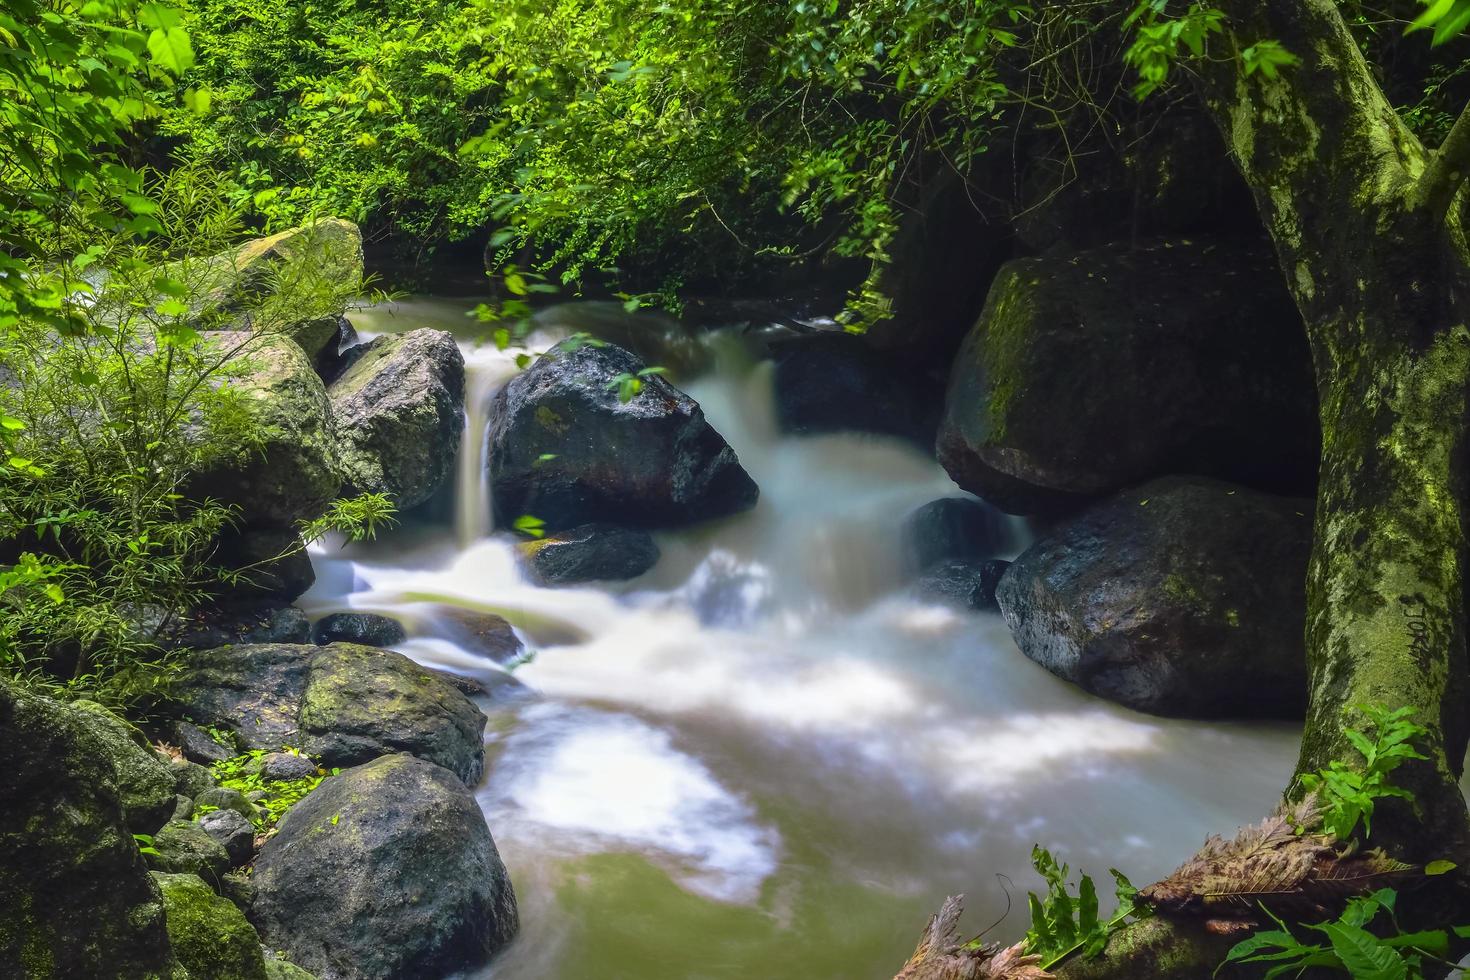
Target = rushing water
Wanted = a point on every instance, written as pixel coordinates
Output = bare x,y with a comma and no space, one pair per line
764,759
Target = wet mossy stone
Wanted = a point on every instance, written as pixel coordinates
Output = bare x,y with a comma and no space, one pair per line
1182,597
565,448
198,746
962,582
358,627
589,553
76,897
385,871
248,621
481,632
233,832
190,778
361,702
145,784
209,935
953,528
1089,372
183,847
251,690
399,412
226,798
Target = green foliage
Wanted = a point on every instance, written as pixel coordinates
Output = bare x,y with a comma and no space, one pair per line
1349,793
1063,924
530,525
243,773
1157,39
1446,17
628,386
1350,946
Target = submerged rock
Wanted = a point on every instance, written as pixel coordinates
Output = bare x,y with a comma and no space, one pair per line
77,898
481,632
953,528
589,553
834,382
962,582
1182,597
386,871
565,449
399,411
210,936
1093,371
353,627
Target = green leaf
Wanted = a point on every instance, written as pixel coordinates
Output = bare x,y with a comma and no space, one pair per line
1435,868
171,50
1364,955
530,525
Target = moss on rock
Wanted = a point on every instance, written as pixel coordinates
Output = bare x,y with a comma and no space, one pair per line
209,935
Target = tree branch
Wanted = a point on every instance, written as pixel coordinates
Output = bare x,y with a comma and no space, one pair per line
1446,170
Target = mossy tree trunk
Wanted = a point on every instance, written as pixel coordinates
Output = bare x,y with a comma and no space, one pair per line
1367,226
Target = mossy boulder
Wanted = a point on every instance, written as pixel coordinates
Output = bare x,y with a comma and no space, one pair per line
210,936
386,871
565,447
76,895
272,562
589,553
144,782
399,412
361,702
293,471
183,847
1096,370
1182,597
251,690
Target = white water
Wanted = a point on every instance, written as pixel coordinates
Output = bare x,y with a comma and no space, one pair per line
763,759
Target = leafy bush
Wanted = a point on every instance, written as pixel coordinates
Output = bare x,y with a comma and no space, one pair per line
243,773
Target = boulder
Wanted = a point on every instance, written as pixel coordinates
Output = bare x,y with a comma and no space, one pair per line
286,767
355,627
252,690
250,621
953,528
385,871
834,382
227,798
197,745
144,783
77,897
361,703
272,562
209,935
399,412
589,553
962,582
190,778
183,847
481,632
566,449
298,264
1182,597
1094,371
285,467
233,832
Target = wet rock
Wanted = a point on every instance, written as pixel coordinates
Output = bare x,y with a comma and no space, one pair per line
190,778
654,337
589,553
197,744
278,969
361,703
1182,597
962,582
834,382
77,897
953,528
294,473
399,411
233,832
481,632
255,621
252,690
182,847
567,450
286,767
385,871
1094,371
363,628
144,783
183,808
226,798
209,935
272,562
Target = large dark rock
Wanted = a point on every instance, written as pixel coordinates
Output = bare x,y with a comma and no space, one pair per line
343,704
953,528
232,831
144,782
1093,371
357,627
210,936
589,553
481,632
1182,597
833,382
77,898
962,582
250,621
385,872
565,449
399,411
361,703
271,563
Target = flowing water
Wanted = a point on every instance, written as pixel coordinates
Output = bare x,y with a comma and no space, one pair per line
764,759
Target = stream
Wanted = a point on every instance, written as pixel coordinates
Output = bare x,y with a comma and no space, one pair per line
765,759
